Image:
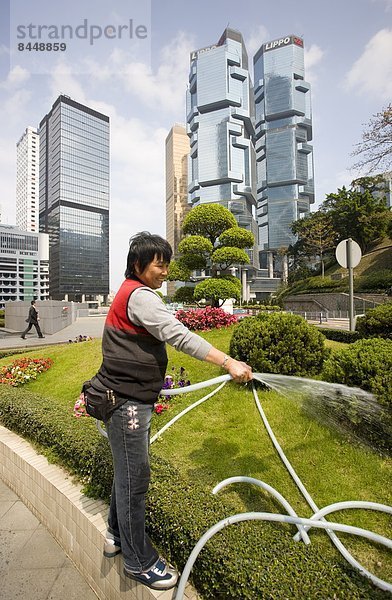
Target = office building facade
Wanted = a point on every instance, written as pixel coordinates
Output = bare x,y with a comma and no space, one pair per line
24,265
220,125
27,181
284,157
177,207
74,199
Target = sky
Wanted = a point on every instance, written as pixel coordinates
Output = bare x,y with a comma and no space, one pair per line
136,72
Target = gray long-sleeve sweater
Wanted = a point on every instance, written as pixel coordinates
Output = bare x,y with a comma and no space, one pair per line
146,309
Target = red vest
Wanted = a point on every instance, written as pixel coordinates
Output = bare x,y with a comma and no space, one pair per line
134,362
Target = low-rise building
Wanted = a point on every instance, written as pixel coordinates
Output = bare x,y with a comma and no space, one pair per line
24,265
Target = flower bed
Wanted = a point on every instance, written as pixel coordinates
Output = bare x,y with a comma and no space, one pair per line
204,319
23,370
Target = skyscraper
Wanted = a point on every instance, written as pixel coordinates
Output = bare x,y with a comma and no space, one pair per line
177,207
27,180
74,199
285,186
221,127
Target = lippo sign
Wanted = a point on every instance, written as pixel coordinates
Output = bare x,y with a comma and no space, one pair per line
289,39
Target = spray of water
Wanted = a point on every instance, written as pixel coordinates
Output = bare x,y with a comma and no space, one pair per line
346,409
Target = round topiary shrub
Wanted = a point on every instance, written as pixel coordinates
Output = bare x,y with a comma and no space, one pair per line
377,322
366,364
279,343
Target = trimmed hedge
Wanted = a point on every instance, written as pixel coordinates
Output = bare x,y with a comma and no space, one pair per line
377,322
245,561
366,364
340,335
279,343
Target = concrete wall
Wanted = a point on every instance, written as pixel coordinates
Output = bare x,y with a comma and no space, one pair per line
77,522
54,315
332,302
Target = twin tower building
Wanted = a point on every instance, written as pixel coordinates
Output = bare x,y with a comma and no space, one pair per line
246,145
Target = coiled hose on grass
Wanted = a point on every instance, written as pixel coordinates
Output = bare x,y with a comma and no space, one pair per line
303,525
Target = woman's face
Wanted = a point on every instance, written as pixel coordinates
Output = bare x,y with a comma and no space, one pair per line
154,274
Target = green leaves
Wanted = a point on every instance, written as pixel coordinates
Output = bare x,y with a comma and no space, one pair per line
279,343
238,237
216,289
377,322
226,257
208,220
357,214
178,271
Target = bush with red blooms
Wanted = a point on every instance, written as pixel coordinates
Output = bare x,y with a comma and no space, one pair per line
203,319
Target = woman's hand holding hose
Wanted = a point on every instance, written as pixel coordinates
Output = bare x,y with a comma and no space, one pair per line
240,371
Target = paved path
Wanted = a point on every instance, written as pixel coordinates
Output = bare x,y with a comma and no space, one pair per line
32,564
92,326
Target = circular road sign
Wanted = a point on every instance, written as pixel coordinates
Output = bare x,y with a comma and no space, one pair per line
341,253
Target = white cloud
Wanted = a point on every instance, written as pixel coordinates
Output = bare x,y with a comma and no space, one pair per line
138,184
62,81
372,72
16,77
259,35
312,57
166,87
330,185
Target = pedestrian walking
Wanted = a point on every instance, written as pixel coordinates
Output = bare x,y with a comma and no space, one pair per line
32,319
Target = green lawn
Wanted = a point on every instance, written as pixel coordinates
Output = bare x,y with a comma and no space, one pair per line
225,437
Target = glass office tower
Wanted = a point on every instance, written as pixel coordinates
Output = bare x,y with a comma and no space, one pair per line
220,118
285,186
74,199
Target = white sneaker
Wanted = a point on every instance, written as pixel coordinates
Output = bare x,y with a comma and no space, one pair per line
110,550
161,576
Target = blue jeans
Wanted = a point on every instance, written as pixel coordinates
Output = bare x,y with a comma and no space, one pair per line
129,433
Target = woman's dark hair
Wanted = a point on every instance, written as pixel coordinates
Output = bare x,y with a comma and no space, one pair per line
143,247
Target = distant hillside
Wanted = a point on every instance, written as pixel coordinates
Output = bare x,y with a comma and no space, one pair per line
372,275
379,258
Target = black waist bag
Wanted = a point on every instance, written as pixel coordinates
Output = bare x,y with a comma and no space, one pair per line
100,402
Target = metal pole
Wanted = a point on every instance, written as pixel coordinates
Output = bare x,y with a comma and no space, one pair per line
350,285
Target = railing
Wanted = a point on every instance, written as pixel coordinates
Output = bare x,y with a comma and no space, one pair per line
323,316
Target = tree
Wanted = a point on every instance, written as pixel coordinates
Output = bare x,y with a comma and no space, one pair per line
214,242
375,149
184,294
217,289
357,214
178,271
316,235
208,220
